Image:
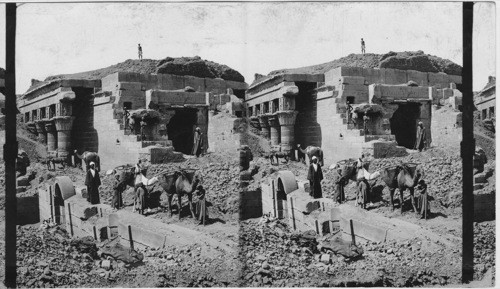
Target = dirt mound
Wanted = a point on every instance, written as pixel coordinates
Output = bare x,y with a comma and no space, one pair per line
419,61
408,60
194,66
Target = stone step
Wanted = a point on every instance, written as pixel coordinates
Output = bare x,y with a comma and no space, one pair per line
164,143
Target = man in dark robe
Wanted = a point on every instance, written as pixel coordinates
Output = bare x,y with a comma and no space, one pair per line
93,181
197,142
422,200
315,176
420,144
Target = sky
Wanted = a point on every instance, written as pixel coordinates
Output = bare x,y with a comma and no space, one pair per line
249,37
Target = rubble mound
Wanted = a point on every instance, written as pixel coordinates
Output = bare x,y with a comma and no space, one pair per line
419,61
408,60
198,67
129,65
194,66
275,256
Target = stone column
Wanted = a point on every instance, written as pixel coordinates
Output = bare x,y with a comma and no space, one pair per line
287,122
63,127
264,124
275,129
50,128
40,128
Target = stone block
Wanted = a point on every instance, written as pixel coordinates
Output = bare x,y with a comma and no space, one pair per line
480,178
129,86
215,85
355,87
364,230
456,79
453,85
439,80
394,76
325,259
23,181
145,237
131,93
81,191
419,77
352,80
81,208
447,92
195,82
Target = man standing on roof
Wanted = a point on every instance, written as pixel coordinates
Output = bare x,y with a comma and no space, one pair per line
362,46
139,48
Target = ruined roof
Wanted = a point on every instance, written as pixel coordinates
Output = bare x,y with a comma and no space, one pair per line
408,60
193,66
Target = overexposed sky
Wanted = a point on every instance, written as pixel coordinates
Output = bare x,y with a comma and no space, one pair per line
249,37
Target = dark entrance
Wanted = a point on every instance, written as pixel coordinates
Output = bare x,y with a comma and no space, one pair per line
281,205
180,129
404,124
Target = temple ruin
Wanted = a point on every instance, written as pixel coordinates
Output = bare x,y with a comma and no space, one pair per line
87,115
311,109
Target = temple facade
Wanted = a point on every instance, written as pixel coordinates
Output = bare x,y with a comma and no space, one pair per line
385,106
88,115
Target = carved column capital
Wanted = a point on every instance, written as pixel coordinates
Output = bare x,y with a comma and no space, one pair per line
63,123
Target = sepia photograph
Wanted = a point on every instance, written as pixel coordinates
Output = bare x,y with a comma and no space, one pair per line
247,144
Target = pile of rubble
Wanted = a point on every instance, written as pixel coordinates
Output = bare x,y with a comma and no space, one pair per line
442,173
484,248
276,257
47,258
220,180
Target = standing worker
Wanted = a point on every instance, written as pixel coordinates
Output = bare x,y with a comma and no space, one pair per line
362,46
143,128
93,181
139,49
340,182
315,176
349,111
365,124
118,188
126,115
197,142
421,142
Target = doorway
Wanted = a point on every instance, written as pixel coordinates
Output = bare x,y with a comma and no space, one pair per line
281,201
404,124
180,129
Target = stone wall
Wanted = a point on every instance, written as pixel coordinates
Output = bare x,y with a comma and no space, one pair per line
223,138
113,153
167,82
